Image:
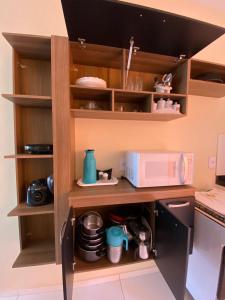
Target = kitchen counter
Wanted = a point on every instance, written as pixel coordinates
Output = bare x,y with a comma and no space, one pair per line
124,193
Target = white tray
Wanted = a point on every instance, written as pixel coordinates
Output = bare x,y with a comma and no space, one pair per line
112,181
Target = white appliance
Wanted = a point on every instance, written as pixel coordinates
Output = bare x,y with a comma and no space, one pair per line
206,266
149,169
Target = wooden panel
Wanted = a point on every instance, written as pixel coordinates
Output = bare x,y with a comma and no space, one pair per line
206,88
30,101
34,77
25,156
96,55
30,46
63,136
124,193
38,253
180,80
34,126
113,77
37,228
23,210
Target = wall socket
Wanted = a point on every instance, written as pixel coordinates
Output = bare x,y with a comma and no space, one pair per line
212,162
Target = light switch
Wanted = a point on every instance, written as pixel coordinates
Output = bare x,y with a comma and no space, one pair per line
212,162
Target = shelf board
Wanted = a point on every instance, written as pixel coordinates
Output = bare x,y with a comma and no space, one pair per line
124,193
29,100
28,156
23,210
171,95
30,46
206,88
103,263
139,116
39,252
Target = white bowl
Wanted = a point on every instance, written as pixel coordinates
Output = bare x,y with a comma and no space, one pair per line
91,82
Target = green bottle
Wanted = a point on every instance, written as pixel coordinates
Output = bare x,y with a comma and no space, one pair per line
89,168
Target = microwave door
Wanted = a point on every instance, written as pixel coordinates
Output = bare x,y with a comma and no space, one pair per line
176,169
154,169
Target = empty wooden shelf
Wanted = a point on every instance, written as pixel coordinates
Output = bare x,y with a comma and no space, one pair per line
23,210
29,100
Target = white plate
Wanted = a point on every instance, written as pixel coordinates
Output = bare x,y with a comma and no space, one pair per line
112,181
91,82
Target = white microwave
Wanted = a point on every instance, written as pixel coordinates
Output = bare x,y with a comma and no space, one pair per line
149,169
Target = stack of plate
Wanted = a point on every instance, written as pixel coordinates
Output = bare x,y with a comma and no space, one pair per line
94,82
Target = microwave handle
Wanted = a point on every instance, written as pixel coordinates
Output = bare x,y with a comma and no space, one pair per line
184,169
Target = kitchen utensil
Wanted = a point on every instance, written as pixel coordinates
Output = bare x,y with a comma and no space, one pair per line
115,237
167,79
91,255
86,246
91,237
92,223
89,168
90,242
89,81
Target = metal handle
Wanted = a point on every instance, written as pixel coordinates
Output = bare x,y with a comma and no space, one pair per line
62,231
184,171
171,205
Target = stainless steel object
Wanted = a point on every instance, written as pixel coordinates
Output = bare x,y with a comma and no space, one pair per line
91,255
92,222
114,254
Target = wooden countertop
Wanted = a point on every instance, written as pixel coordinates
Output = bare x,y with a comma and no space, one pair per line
124,193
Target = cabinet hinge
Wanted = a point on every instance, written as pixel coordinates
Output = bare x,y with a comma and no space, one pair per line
156,212
73,219
155,252
73,265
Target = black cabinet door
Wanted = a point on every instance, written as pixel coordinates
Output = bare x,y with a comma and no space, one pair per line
67,236
173,238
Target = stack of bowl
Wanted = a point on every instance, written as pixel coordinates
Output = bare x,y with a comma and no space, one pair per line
91,237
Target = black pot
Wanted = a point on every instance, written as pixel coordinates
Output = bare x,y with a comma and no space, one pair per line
91,255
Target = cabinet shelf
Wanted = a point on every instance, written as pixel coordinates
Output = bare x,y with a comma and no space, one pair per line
29,100
28,156
103,263
37,252
23,210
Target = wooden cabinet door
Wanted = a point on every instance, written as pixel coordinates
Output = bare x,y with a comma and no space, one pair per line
173,239
67,244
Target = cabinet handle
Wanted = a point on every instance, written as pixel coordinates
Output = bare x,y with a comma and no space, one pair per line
62,232
178,205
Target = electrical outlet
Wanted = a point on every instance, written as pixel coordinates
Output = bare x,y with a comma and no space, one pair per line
212,162
122,164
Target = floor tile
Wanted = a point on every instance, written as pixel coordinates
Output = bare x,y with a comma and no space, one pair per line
8,298
150,286
43,296
104,291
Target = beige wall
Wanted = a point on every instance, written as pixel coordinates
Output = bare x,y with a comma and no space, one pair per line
198,132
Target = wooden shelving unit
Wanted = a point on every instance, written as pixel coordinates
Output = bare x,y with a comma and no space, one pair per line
32,102
23,210
29,100
207,88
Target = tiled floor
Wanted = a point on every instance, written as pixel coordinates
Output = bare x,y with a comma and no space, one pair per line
141,285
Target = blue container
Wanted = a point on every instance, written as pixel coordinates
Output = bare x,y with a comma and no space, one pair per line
115,237
89,168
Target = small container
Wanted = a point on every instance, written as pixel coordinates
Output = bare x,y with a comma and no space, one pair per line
178,108
169,104
154,106
161,104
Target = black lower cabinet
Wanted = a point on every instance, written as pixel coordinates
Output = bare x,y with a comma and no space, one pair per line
172,245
